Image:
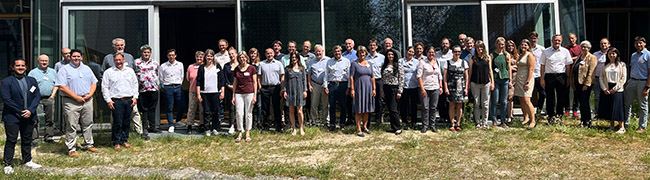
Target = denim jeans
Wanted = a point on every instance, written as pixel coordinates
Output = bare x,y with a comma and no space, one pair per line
634,90
499,96
337,95
121,120
173,94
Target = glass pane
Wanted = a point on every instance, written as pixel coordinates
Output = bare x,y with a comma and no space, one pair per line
572,19
92,33
10,43
46,30
266,21
14,6
432,23
362,20
515,21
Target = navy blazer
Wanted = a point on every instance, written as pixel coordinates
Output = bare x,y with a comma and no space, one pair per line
13,99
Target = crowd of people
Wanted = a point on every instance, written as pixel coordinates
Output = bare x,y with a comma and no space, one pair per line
297,89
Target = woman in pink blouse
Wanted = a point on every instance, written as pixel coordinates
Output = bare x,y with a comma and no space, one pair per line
194,106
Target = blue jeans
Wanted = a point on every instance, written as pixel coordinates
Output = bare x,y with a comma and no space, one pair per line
633,91
173,94
121,120
499,96
337,94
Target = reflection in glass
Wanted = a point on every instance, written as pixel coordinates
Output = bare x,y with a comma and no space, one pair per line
362,20
515,21
262,22
11,39
432,23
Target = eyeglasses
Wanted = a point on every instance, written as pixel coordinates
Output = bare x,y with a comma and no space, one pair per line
456,51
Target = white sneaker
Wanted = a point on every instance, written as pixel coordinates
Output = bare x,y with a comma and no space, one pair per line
207,133
33,165
231,130
214,132
621,131
9,170
171,129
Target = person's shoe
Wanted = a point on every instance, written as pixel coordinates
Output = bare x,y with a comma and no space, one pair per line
508,119
154,130
33,165
434,129
34,144
621,131
93,149
423,130
207,133
215,132
73,154
171,129
566,113
575,114
640,130
398,132
117,147
9,170
331,129
360,134
231,131
181,124
146,137
367,131
126,145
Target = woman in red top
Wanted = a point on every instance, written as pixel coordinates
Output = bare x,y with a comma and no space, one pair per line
244,94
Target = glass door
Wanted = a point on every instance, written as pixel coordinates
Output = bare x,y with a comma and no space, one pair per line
430,23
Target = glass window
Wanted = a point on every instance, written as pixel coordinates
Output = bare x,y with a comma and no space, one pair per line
432,23
46,30
10,44
515,21
572,19
263,22
362,20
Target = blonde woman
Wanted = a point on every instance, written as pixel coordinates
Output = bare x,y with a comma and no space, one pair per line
525,82
244,94
501,80
362,90
481,83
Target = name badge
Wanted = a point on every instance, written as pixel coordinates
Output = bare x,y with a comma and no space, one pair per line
45,78
126,64
196,66
296,70
496,70
81,75
641,61
582,62
247,74
31,90
320,69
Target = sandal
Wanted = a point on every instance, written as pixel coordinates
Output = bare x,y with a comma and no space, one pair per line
458,128
238,138
452,128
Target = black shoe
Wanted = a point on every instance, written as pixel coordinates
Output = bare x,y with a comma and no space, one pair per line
35,144
423,130
155,130
434,129
367,131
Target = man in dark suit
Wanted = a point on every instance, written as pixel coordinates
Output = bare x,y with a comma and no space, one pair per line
21,96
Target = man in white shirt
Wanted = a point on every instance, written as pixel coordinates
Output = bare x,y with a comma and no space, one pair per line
537,51
171,76
222,57
555,65
601,56
120,90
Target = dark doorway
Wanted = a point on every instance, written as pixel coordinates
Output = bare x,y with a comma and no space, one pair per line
191,29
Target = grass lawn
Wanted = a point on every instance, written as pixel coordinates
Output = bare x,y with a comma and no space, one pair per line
546,152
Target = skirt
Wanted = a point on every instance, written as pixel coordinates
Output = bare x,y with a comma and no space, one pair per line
610,106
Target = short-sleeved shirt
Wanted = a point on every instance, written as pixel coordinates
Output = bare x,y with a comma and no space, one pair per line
410,70
270,72
245,83
431,74
60,64
192,71
110,62
639,64
350,55
78,79
538,50
45,80
147,73
317,69
602,59
573,50
556,60
377,61
337,70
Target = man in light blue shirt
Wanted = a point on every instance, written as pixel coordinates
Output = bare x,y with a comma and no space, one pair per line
65,54
336,85
291,46
316,78
270,74
77,83
376,60
639,83
45,77
350,53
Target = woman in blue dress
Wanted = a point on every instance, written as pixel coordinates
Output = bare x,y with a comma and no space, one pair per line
362,90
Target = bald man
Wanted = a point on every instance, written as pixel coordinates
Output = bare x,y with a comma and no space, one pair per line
45,77
65,55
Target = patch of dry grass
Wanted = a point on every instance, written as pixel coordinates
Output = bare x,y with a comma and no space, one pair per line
514,153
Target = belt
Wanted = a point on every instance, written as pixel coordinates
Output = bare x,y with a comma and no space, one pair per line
269,86
337,82
173,85
122,98
637,79
316,82
45,97
555,74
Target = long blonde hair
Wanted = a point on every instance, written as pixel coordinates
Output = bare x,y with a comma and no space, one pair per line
496,45
483,55
515,52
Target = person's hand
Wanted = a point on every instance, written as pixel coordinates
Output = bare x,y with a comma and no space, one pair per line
374,93
135,101
311,89
511,84
222,95
52,96
423,93
304,94
284,95
465,91
645,92
399,95
110,105
79,99
351,93
327,91
526,87
606,92
254,100
491,86
446,91
542,83
584,88
26,114
233,101
199,98
87,97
